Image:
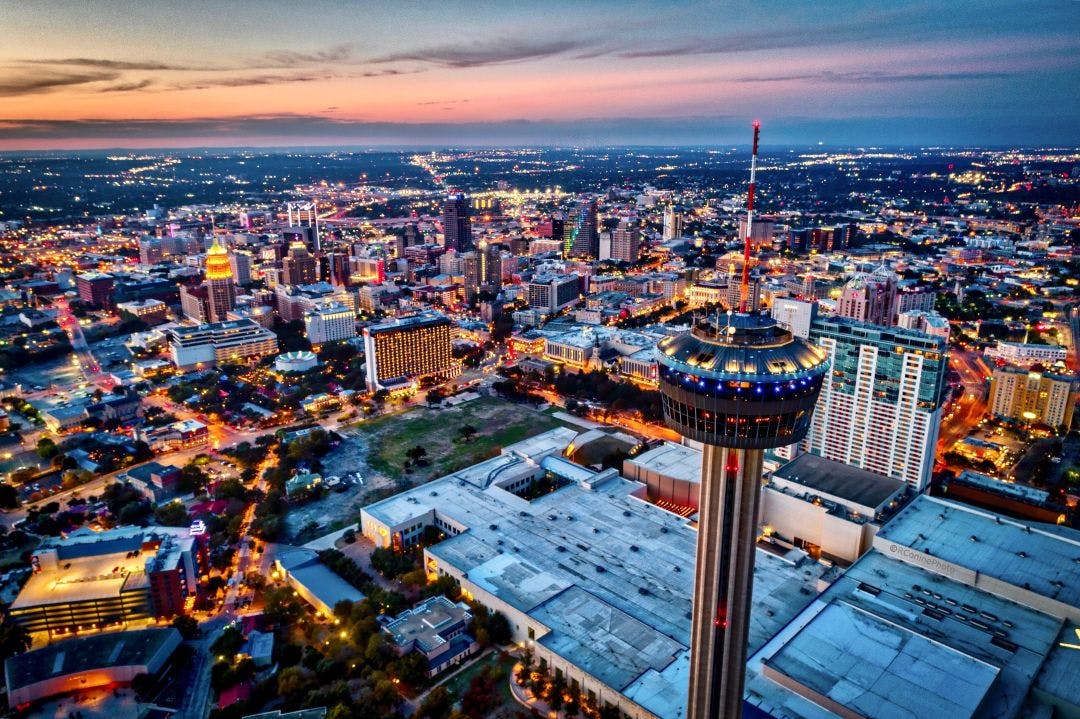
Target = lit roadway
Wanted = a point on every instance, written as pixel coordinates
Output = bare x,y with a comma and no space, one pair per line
1072,341
961,415
89,366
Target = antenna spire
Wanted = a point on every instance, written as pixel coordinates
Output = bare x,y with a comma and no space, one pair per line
744,293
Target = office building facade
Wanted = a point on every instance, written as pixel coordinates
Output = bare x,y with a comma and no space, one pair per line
553,293
220,288
581,234
625,243
95,289
299,267
457,222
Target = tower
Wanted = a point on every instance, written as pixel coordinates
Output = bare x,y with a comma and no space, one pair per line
738,383
299,267
673,223
581,236
220,288
457,223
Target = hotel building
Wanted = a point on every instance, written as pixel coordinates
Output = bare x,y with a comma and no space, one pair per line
412,347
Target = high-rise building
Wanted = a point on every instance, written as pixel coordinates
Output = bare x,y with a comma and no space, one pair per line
482,269
329,322
880,406
95,289
558,227
673,223
870,298
151,251
457,223
554,292
299,267
581,235
1033,397
761,235
340,269
412,347
220,288
194,303
625,243
241,262
739,384
918,298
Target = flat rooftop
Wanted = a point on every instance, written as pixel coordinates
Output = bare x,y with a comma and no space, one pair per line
880,669
304,566
671,460
425,623
836,479
885,608
85,580
582,555
113,649
1042,559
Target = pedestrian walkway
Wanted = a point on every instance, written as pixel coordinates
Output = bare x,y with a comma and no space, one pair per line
525,697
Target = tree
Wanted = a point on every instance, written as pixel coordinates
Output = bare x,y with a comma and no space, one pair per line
46,448
173,514
192,478
555,695
339,711
9,496
436,705
467,432
416,453
22,475
14,639
214,585
188,626
411,669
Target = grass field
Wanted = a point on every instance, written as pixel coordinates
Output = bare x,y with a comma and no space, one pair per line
498,423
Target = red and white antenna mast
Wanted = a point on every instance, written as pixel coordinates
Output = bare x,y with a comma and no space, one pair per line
744,295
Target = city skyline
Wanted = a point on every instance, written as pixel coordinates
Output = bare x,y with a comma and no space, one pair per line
154,75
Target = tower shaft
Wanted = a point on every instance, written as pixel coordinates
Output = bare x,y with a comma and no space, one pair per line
727,531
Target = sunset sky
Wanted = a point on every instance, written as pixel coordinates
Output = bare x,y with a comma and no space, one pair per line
154,74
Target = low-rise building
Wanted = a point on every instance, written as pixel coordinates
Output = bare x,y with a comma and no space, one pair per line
597,582
211,344
1019,353
184,433
313,581
86,663
89,580
436,627
955,612
150,311
329,322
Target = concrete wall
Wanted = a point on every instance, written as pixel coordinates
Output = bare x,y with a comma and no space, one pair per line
791,517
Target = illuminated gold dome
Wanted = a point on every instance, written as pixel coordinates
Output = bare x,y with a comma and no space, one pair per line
217,263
